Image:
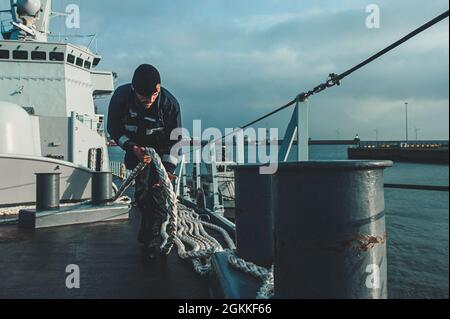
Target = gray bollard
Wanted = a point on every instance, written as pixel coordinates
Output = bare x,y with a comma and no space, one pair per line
101,187
330,230
47,191
254,227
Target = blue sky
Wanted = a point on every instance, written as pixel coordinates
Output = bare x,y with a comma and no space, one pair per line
229,61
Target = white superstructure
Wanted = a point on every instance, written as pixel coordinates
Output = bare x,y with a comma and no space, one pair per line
47,110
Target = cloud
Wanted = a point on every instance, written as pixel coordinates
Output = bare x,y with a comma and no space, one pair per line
229,62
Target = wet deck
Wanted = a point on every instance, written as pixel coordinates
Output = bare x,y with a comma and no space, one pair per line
33,264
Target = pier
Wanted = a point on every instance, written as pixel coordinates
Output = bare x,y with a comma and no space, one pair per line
415,153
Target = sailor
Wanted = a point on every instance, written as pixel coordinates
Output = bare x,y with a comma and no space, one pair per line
144,114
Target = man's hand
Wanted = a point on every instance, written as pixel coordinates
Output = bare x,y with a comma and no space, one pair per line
171,176
141,154
158,187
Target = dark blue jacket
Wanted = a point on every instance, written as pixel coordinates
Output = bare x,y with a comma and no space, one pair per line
130,124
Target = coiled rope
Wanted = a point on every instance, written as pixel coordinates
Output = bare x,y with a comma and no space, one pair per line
183,228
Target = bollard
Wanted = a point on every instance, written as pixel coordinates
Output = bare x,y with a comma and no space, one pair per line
200,199
101,187
330,235
254,227
47,191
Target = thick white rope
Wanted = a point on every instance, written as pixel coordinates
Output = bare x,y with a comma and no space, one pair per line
267,289
264,274
184,228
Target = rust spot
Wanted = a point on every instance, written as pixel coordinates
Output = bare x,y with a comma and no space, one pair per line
366,242
361,242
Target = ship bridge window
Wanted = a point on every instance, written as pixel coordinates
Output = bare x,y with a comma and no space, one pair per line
56,56
96,61
4,54
71,58
87,65
20,55
79,62
38,55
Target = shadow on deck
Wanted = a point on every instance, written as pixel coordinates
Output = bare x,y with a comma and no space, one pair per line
112,264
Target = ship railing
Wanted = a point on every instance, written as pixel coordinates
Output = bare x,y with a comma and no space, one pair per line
94,123
119,170
63,38
192,178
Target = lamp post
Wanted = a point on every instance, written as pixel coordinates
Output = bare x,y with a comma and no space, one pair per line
406,116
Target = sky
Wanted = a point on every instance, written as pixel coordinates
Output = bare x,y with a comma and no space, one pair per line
230,61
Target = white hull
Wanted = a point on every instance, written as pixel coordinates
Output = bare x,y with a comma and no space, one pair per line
18,180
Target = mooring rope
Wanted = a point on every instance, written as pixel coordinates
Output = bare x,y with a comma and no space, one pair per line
184,228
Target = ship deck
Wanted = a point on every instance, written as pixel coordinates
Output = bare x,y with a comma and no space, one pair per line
111,262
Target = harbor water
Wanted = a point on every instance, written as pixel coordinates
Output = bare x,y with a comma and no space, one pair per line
417,225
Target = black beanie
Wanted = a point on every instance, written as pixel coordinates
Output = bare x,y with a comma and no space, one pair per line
145,79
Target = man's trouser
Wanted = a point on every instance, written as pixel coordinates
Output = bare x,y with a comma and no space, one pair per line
151,218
